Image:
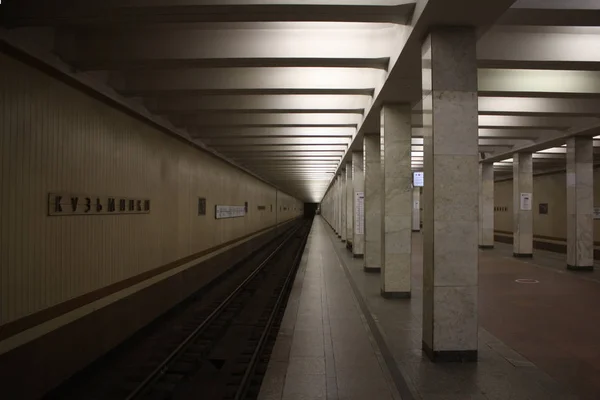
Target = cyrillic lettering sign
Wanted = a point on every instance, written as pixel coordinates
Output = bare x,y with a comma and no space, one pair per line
85,204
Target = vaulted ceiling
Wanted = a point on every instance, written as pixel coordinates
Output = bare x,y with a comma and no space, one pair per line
286,88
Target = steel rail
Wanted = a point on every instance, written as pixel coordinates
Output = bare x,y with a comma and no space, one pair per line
164,366
242,388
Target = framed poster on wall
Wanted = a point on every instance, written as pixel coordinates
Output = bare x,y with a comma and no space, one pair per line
222,212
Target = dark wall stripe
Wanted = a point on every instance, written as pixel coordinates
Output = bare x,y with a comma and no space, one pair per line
17,326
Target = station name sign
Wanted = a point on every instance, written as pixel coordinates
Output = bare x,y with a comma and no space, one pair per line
85,204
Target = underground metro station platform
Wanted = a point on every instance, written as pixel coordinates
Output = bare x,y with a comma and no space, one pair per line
299,199
340,338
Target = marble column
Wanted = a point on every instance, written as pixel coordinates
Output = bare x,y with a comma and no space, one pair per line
373,188
450,194
344,185
486,206
332,203
358,205
349,203
328,205
396,201
338,205
522,205
416,211
580,204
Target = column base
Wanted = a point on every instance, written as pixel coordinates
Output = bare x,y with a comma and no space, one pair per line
523,255
580,268
358,256
486,246
461,356
395,295
372,269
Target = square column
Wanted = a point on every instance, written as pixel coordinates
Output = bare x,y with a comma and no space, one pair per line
373,189
450,195
332,204
416,211
338,205
343,184
396,201
358,200
522,205
348,204
486,206
333,200
580,204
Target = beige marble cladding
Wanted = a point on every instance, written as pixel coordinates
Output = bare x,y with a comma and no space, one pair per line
54,138
396,199
345,185
416,209
373,189
580,202
358,183
451,194
550,189
339,202
348,203
486,205
522,219
328,207
335,205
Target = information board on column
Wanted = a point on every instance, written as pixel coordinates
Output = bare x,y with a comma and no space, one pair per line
359,213
418,179
525,201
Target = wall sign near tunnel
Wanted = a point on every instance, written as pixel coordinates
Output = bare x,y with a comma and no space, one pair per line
84,204
229,211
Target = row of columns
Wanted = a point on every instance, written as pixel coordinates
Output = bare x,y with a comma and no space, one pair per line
580,204
580,248
380,229
457,199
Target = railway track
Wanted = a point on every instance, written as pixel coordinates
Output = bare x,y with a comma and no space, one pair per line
216,347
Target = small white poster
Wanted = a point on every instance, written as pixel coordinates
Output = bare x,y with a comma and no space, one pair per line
359,213
418,179
525,201
416,205
222,212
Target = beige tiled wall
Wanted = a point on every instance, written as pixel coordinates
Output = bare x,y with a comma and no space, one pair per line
54,138
550,189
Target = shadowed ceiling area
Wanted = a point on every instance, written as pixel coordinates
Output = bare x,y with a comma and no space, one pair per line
285,89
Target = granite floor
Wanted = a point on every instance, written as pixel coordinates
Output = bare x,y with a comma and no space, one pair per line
325,349
341,340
